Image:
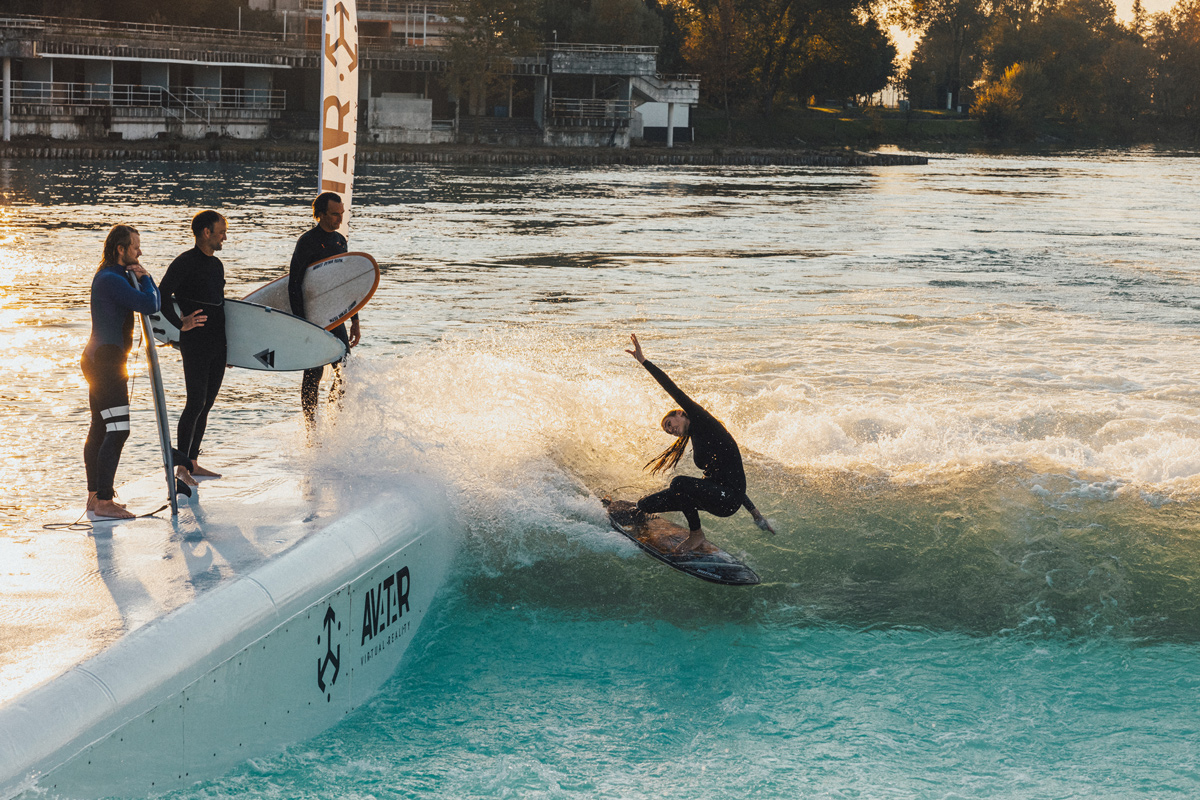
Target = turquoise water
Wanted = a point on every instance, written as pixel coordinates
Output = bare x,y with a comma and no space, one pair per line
967,395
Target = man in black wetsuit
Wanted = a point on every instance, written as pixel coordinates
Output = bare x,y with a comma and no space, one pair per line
722,490
196,280
113,303
321,242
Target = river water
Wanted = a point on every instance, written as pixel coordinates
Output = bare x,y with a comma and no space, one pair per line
967,395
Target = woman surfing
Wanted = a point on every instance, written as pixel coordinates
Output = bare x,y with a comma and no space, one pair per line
722,490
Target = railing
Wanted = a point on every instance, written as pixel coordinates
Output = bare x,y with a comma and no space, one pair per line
576,47
377,44
388,7
230,98
589,109
679,76
108,29
189,98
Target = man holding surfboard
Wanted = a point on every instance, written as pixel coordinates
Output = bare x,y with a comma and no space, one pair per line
114,300
196,280
321,242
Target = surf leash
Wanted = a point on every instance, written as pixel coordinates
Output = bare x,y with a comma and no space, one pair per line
83,527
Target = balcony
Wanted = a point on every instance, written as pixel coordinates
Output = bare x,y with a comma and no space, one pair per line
195,100
572,112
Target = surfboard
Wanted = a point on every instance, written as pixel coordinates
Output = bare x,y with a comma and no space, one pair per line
265,338
334,289
160,411
658,537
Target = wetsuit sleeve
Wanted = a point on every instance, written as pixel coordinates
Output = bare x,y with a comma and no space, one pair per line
748,504
150,293
170,283
296,279
144,299
689,406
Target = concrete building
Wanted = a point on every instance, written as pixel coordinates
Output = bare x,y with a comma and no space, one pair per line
78,78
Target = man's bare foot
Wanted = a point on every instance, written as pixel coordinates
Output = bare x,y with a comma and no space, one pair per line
694,543
182,474
91,502
110,510
200,472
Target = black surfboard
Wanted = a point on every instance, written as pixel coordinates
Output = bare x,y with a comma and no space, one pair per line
658,537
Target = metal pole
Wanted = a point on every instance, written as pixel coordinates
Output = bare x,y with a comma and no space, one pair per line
7,99
670,124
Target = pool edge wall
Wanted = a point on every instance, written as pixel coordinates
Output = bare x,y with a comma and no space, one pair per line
272,657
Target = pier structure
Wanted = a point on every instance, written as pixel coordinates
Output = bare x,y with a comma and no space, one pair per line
67,78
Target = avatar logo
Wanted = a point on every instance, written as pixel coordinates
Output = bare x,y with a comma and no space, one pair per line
332,658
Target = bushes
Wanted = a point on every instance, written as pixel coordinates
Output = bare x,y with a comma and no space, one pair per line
1011,107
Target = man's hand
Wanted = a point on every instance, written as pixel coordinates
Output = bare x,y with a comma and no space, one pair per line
196,319
355,332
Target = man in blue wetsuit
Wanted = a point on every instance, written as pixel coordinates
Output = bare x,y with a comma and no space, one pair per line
196,280
321,242
113,303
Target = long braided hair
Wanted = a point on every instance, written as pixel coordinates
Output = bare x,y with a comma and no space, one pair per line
668,458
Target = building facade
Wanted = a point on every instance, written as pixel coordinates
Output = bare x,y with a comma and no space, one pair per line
93,79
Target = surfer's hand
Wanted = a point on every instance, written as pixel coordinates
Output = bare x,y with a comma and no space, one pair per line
763,524
196,319
355,332
137,270
636,352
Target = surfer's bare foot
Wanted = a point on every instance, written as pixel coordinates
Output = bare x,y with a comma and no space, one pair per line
107,508
91,503
694,543
200,472
182,474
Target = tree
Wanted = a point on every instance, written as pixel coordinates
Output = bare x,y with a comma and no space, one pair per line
1011,107
848,57
715,46
759,50
488,36
1175,43
635,22
947,57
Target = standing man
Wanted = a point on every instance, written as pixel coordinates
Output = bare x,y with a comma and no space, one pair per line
114,300
196,280
322,242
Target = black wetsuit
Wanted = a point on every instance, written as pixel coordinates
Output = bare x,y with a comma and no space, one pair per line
722,490
197,283
113,301
315,245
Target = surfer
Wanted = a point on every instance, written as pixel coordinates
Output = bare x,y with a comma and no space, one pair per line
722,490
321,242
196,280
113,302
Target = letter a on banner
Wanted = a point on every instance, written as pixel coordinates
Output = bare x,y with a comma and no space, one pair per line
339,101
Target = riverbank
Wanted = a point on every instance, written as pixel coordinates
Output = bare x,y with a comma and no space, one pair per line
866,128
235,150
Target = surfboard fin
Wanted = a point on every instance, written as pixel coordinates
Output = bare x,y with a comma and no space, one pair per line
182,488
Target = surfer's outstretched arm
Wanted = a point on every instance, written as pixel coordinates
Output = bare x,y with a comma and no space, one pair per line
689,406
762,522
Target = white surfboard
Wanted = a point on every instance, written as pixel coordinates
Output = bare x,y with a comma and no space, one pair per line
265,338
334,289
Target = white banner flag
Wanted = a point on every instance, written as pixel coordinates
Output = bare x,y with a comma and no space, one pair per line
339,101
